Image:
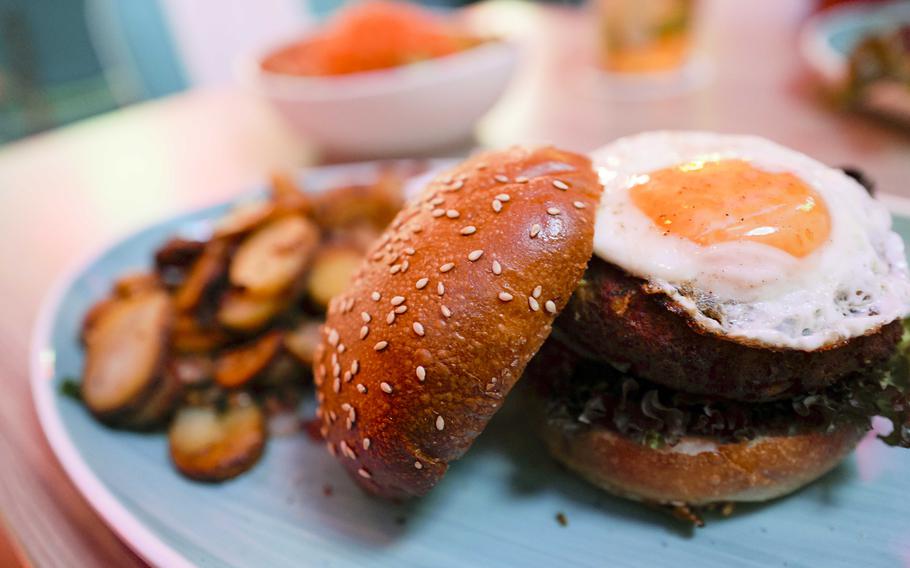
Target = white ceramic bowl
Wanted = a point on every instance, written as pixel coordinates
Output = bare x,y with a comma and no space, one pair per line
409,110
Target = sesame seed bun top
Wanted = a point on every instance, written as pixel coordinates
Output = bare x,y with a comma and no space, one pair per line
447,309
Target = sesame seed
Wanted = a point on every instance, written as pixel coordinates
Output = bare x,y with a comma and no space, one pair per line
553,210
550,306
342,348
497,268
537,291
364,473
418,328
390,319
401,309
366,443
362,389
447,267
422,283
475,254
438,212
446,311
398,300
381,345
365,317
333,337
336,385
336,370
437,201
348,376
503,197
505,296
440,288
421,373
440,423
457,185
497,205
331,448
355,367
469,230
332,416
376,296
535,230
579,205
409,250
404,266
482,166
418,465
395,269
364,331
453,214
386,387
521,179
559,184
501,178
532,303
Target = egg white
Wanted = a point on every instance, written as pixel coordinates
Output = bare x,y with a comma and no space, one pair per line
747,291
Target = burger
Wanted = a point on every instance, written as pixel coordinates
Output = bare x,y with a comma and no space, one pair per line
703,318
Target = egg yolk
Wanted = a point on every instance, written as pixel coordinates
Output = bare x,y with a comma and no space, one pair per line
710,202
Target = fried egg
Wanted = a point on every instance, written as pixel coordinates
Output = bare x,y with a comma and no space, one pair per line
750,240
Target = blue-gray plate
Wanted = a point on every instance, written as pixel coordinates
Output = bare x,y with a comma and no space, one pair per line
496,507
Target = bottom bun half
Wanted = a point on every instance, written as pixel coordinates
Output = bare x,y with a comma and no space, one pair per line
698,471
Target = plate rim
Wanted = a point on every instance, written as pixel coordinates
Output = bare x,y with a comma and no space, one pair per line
129,529
145,542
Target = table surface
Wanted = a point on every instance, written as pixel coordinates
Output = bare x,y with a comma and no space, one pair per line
67,193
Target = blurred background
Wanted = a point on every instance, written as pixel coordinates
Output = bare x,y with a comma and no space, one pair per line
65,60
117,113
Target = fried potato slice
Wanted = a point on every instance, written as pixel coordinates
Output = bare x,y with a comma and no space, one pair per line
288,197
244,312
156,405
125,351
237,367
93,316
269,260
331,272
206,270
178,253
135,283
208,445
243,219
301,342
192,370
190,336
375,205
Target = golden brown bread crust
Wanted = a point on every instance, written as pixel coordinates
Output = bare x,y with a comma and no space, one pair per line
611,318
759,470
442,317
